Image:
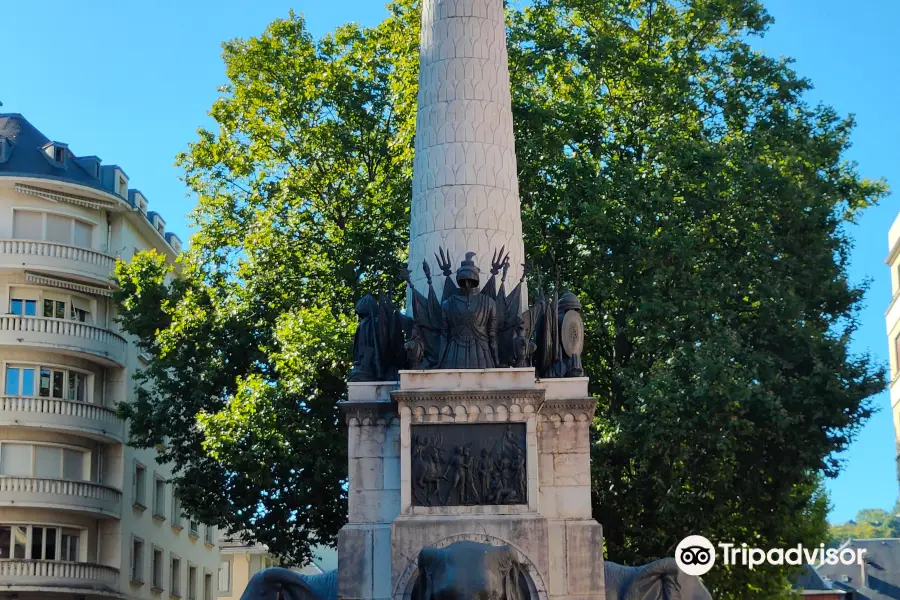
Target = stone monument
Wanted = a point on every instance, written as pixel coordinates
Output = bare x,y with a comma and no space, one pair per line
469,415
469,447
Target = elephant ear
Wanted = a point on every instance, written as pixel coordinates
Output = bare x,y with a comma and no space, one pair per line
424,585
657,581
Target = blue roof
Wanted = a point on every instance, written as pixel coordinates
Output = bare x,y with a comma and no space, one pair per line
27,159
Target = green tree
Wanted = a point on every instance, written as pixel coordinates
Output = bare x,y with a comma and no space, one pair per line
869,523
304,193
674,177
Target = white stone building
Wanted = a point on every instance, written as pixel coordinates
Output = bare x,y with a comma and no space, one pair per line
892,316
82,515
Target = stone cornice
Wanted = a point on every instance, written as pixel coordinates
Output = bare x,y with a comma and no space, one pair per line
582,409
468,397
369,413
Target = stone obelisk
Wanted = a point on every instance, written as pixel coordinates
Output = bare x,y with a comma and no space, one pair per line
465,187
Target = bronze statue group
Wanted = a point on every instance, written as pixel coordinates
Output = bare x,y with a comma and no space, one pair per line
468,328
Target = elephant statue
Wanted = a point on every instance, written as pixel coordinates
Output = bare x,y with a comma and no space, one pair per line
466,570
276,583
659,580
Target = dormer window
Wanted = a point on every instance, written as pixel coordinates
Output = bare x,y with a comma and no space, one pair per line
158,223
56,153
5,149
123,186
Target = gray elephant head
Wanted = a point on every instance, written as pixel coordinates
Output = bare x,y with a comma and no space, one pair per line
283,584
660,580
469,570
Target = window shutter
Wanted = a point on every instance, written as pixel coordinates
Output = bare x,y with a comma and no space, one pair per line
28,225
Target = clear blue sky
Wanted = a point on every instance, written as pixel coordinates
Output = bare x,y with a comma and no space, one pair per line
131,82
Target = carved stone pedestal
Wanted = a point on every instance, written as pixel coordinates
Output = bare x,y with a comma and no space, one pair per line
492,456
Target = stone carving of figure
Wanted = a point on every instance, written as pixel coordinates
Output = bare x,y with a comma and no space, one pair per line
427,472
521,476
470,324
460,476
485,466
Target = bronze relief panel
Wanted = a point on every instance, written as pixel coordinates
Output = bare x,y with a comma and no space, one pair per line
469,464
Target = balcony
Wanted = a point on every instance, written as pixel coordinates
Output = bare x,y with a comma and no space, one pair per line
57,576
60,259
85,497
97,422
69,336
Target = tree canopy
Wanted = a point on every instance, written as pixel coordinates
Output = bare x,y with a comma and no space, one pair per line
674,177
870,523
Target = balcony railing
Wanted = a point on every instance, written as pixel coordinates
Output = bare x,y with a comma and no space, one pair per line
57,575
63,333
60,258
55,413
39,492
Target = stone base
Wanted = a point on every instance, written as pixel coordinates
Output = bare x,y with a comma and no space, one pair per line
563,558
553,534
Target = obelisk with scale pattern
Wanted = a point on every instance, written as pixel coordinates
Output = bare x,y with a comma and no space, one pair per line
465,186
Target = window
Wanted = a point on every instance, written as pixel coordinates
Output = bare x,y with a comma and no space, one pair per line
19,381
39,542
81,310
83,234
59,154
53,382
192,583
176,509
23,307
209,536
137,560
897,353
194,528
225,577
140,485
156,569
28,225
52,227
58,228
60,306
70,540
76,390
175,576
123,186
36,460
15,459
207,586
159,497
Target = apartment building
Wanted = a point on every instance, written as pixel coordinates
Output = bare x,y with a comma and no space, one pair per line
82,515
892,318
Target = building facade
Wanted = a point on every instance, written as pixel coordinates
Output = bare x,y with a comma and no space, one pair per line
82,515
892,318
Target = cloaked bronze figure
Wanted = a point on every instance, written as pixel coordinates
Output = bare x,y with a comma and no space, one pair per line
470,324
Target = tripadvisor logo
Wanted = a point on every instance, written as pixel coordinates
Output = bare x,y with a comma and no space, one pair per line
696,555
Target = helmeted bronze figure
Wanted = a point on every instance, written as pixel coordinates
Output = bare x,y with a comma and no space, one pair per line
469,324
